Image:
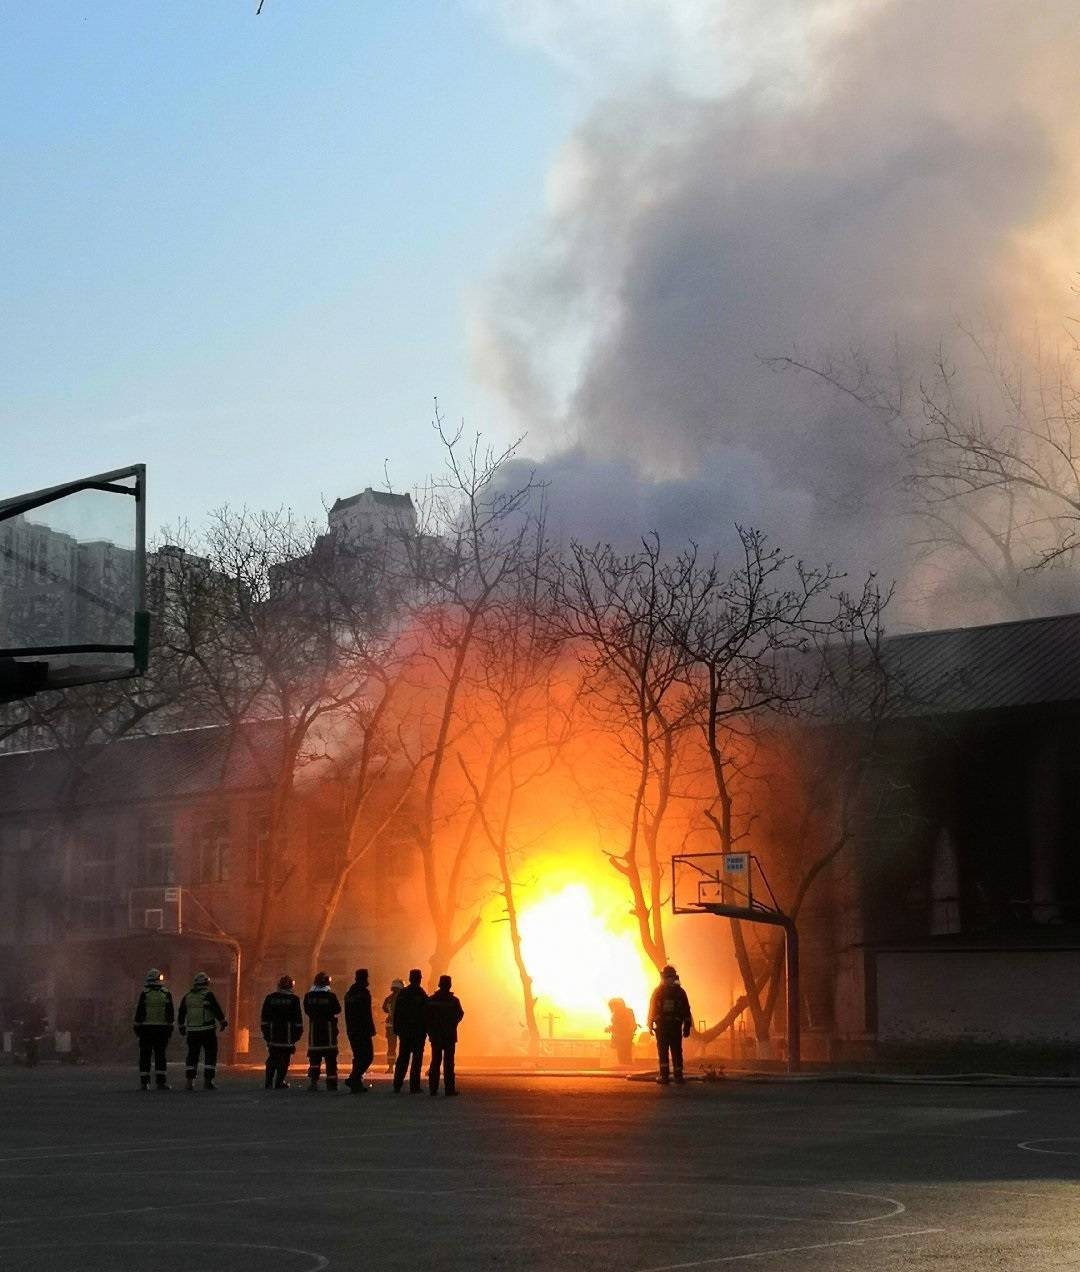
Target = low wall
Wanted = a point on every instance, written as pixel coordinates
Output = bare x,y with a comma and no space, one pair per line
1029,996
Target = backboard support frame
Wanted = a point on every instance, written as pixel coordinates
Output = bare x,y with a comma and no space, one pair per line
740,905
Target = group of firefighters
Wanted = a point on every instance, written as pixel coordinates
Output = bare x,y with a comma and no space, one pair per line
413,1018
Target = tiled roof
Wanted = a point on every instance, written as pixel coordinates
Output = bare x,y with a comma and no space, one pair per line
1027,663
187,763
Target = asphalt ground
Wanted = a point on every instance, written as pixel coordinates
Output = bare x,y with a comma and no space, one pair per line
534,1172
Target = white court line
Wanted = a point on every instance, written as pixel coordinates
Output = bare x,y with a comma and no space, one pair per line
351,1136
321,1261
766,1254
1029,1146
410,1193
506,1190
147,1210
898,1207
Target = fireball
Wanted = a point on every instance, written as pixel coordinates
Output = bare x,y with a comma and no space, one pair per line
580,947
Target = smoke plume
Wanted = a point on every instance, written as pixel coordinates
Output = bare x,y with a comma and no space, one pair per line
834,177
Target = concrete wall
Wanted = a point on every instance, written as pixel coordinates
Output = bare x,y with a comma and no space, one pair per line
1021,996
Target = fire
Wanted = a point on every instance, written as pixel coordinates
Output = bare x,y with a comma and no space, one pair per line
580,953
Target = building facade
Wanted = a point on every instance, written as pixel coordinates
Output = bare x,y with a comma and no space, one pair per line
958,922
100,851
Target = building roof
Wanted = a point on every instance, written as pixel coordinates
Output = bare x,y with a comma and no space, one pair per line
385,497
180,765
1031,662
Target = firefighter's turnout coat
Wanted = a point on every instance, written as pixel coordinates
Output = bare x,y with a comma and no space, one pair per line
322,1008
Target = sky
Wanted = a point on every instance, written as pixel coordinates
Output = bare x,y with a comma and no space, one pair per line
251,251
243,250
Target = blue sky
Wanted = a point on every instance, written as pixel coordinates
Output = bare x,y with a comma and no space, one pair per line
243,249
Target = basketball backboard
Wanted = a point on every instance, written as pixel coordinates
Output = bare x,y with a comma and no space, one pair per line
701,881
73,584
155,909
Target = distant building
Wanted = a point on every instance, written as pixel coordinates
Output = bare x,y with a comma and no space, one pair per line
366,551
100,849
377,514
56,589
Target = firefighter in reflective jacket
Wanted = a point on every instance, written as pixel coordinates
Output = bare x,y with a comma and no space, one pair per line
153,1028
322,1009
670,1020
282,1028
199,1017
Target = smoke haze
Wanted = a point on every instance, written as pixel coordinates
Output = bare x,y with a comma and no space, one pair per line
836,177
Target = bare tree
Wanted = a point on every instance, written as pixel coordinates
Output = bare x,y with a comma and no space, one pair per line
811,785
988,448
463,564
526,723
745,636
271,636
620,610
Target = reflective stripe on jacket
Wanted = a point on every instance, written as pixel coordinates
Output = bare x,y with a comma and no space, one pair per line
282,1023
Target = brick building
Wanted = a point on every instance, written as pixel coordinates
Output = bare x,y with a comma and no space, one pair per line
98,849
961,920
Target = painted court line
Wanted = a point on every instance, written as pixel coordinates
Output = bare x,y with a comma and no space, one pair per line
320,1261
767,1254
350,1136
898,1208
1029,1146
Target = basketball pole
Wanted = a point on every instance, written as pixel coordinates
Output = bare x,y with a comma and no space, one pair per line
775,918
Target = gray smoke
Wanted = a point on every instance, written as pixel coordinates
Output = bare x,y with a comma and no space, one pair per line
908,164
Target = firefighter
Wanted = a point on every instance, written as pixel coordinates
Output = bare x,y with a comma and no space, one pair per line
409,1027
670,1020
153,1028
623,1027
443,1012
396,985
360,1026
282,1023
200,1016
322,1008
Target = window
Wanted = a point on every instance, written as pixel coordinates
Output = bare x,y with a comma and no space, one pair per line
213,852
258,845
325,841
96,900
156,866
